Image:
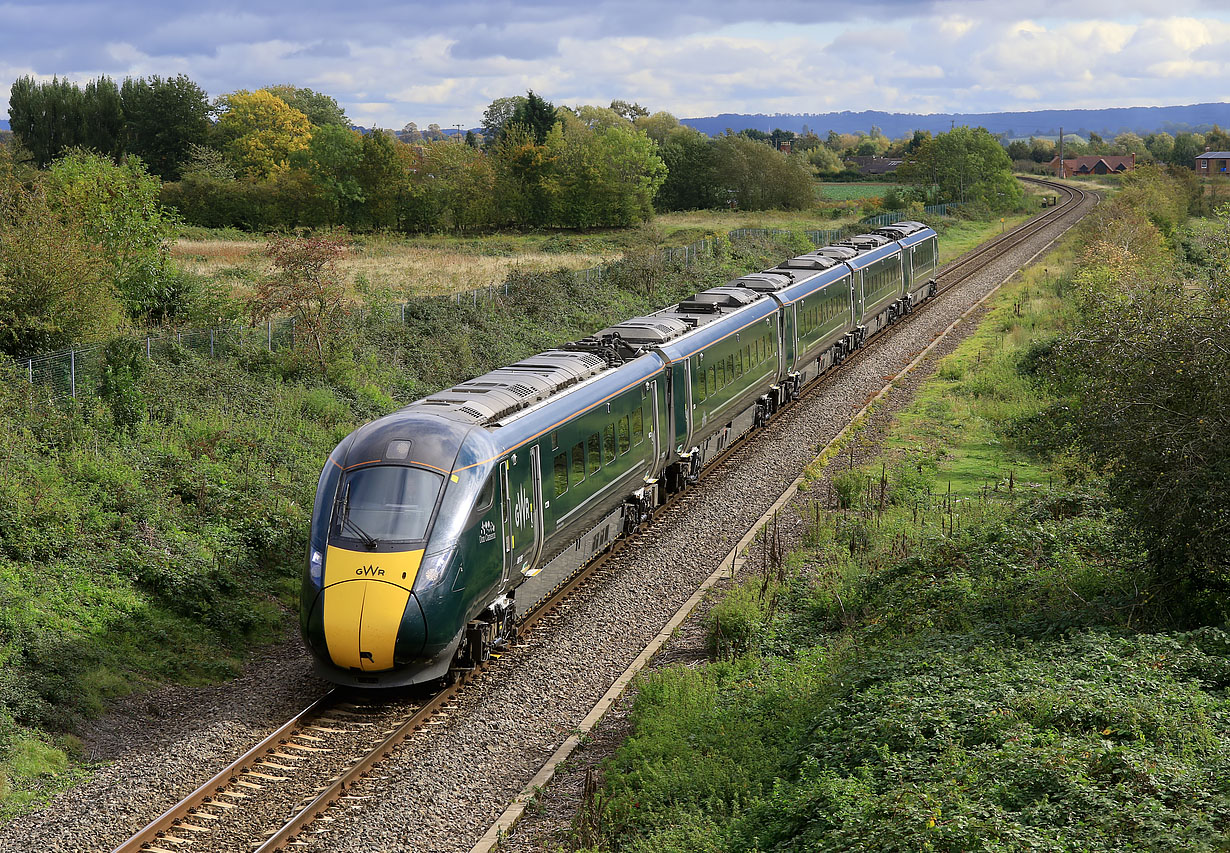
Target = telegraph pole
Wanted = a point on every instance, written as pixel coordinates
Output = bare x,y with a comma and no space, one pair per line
1061,151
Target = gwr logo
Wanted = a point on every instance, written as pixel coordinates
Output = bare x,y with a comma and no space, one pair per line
370,571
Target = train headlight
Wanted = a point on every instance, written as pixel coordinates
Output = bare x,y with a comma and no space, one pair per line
316,567
434,569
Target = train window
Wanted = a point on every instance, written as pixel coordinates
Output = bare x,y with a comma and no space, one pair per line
392,503
699,382
721,374
594,454
712,380
483,503
555,441
608,444
738,362
578,462
624,442
561,474
638,426
730,368
747,356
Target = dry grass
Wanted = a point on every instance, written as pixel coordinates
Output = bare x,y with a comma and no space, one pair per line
403,268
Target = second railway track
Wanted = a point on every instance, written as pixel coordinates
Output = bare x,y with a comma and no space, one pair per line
266,799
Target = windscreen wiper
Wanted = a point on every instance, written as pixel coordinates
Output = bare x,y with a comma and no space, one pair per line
368,539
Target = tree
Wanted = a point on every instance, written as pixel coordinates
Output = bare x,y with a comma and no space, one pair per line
334,160
1217,139
260,133
523,177
603,177
321,109
967,165
1160,145
692,180
536,115
434,133
410,133
1130,143
631,111
497,114
825,160
657,126
1186,147
304,282
102,118
46,117
118,209
761,177
163,119
381,179
55,283
471,139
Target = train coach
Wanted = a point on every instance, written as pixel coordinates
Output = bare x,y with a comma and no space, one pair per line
435,525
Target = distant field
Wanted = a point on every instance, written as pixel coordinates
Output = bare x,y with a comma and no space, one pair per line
401,267
449,264
854,191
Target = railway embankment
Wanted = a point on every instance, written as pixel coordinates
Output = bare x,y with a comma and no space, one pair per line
967,632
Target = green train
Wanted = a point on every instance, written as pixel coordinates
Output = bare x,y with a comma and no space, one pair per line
434,526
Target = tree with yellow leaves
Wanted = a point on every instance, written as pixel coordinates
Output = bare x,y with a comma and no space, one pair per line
260,132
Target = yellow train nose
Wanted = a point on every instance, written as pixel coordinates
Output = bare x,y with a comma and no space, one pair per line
365,603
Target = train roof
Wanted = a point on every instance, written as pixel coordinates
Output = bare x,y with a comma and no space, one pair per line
501,396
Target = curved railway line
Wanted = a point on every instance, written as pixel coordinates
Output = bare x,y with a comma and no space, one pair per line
264,799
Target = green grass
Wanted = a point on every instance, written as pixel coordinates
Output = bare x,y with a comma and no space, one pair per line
853,191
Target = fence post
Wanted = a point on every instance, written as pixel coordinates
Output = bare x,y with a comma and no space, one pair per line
72,372
211,343
30,370
403,313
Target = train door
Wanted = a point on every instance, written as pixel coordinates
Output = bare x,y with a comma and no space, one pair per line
860,292
521,480
790,336
656,435
681,401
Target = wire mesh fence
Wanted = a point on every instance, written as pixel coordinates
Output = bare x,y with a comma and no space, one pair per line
76,372
882,219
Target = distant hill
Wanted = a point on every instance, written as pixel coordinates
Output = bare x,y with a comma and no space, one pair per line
1107,122
4,124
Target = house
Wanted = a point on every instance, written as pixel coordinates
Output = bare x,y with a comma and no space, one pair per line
874,165
1213,163
1095,164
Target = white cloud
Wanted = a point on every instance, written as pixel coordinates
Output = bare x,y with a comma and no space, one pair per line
389,64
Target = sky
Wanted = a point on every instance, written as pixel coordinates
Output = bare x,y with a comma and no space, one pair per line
443,62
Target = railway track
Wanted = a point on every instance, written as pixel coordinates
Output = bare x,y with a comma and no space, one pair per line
245,806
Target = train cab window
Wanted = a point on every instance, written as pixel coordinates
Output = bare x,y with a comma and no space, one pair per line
561,474
638,426
594,453
721,374
485,495
578,462
624,442
608,444
387,502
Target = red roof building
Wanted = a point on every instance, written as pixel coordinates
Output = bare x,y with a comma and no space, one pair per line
1096,164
